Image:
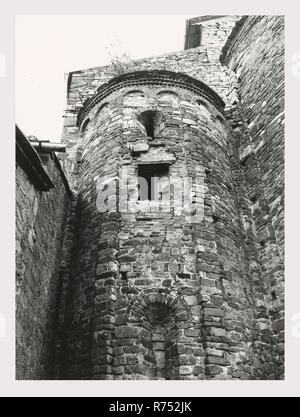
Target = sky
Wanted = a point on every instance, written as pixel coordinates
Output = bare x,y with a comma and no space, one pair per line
49,47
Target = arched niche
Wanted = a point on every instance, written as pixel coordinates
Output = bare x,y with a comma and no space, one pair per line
165,98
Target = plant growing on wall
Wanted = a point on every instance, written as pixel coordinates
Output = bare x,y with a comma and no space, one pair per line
120,60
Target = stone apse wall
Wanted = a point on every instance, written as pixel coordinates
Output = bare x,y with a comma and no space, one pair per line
158,295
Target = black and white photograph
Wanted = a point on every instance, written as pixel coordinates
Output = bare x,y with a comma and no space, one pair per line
150,233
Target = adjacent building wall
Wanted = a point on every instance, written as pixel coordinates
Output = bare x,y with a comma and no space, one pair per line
40,219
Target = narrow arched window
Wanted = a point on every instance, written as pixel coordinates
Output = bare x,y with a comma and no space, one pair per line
148,120
84,126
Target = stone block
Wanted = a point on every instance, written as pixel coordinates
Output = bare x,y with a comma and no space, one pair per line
192,332
126,332
215,352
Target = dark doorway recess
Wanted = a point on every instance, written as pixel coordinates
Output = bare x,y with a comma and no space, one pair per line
153,181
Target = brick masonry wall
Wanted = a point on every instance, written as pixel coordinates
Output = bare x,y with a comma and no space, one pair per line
256,55
40,218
